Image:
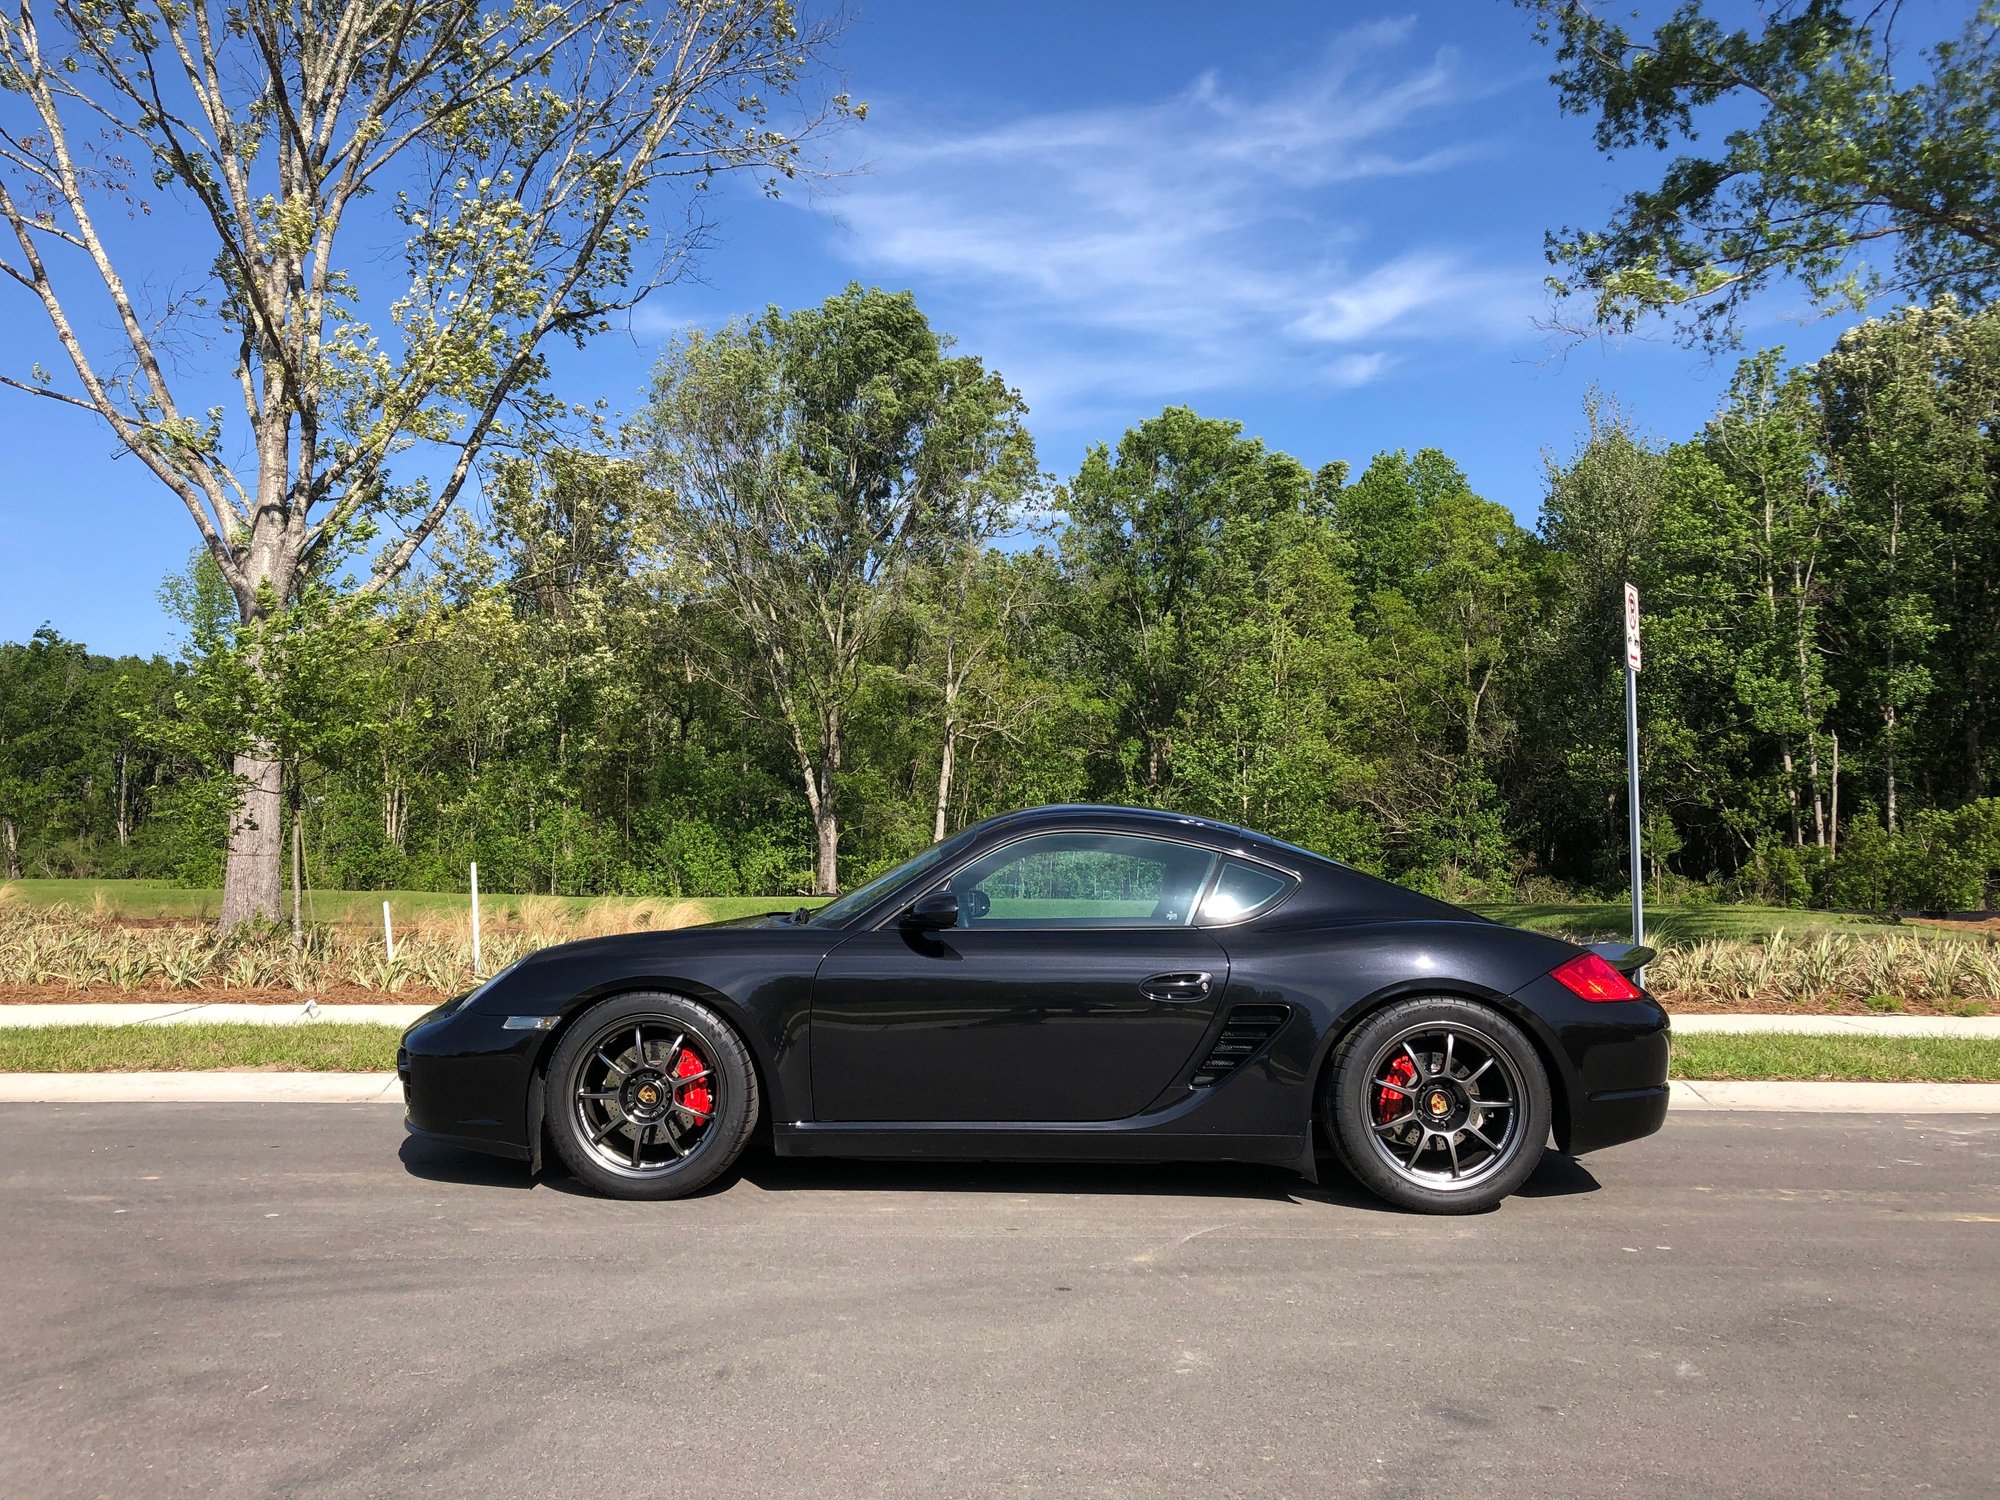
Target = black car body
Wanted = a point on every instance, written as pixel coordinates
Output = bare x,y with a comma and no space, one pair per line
1162,1034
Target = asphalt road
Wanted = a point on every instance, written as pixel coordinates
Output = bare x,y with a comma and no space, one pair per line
290,1300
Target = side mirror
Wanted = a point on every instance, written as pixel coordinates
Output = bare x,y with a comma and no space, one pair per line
932,913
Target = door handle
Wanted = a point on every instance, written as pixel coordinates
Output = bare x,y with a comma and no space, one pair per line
1177,987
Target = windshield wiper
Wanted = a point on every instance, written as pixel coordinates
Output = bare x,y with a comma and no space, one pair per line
800,917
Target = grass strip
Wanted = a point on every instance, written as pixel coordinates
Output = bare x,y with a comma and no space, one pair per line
1775,1055
363,1047
314,1047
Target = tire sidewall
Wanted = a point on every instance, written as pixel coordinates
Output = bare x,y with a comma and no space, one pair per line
1346,1111
728,1132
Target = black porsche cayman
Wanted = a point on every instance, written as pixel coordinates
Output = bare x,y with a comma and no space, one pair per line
1082,983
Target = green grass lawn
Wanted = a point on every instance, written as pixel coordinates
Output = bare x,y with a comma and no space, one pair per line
1686,924
349,1047
318,1047
160,898
1779,1055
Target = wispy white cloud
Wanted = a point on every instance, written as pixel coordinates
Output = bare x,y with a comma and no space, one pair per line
1220,237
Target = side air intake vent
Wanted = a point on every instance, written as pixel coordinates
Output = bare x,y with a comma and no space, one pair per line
1244,1033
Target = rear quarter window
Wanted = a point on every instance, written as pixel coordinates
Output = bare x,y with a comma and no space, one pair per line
1241,891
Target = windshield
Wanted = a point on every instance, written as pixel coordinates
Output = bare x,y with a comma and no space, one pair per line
845,909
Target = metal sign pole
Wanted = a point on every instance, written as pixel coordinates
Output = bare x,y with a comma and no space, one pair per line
1632,663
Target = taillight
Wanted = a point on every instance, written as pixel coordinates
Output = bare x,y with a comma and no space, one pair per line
1589,977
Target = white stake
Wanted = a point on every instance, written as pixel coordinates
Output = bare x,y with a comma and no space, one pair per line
476,970
388,933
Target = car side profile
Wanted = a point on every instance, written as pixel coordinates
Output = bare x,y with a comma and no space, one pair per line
1064,983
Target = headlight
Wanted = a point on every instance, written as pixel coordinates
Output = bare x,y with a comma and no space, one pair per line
477,991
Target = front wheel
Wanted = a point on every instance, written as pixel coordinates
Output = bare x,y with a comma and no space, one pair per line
1438,1105
650,1096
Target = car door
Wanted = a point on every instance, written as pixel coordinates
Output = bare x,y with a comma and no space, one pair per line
1074,989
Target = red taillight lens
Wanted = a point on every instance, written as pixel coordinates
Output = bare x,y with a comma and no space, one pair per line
1591,978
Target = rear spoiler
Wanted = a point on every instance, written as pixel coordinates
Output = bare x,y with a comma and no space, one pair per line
1626,958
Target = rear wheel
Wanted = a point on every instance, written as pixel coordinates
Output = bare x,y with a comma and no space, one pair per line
1438,1105
650,1096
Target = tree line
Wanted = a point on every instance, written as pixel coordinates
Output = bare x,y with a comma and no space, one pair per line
817,606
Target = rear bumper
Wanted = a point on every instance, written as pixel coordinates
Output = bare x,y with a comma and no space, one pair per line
1612,1065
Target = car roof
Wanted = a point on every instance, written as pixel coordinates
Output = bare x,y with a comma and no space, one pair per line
1148,819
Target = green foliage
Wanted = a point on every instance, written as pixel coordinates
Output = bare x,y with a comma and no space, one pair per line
817,611
1813,152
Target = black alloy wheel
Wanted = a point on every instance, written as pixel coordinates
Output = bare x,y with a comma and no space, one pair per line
1439,1105
650,1096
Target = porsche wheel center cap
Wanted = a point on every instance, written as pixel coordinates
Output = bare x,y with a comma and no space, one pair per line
647,1096
1438,1102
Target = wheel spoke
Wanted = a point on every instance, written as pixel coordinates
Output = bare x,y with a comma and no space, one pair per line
597,1094
1388,1127
1451,1145
1473,1076
612,1063
1479,1135
1415,1061
639,1143
609,1125
1491,1103
639,1044
1383,1083
1450,1040
668,1135
692,1078
673,1053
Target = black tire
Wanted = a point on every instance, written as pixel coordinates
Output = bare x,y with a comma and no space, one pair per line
1417,1055
664,1147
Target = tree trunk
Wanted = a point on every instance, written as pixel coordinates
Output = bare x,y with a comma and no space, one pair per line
298,868
10,836
252,882
947,762
124,803
826,827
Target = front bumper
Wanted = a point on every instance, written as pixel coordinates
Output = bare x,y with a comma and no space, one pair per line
468,1081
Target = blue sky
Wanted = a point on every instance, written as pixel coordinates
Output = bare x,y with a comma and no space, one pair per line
1323,221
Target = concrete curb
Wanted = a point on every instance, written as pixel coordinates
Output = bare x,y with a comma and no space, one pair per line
199,1088
381,1088
1840,1098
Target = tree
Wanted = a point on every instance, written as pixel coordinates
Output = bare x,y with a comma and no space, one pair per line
1909,407
968,609
517,149
802,463
1565,780
1215,614
1844,153
1446,589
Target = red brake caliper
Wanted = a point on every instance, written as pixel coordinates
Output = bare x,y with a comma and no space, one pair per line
1390,1105
696,1098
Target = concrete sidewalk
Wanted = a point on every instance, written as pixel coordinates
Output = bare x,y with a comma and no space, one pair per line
1975,1026
381,1088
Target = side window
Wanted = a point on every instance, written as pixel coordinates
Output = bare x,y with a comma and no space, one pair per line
1241,891
1083,880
